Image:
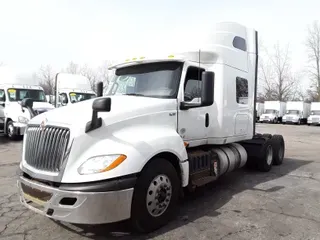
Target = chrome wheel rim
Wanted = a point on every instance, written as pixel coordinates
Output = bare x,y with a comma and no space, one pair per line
10,130
269,155
159,195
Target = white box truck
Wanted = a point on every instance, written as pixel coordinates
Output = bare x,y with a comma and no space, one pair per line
14,118
297,112
259,110
273,112
70,89
314,118
130,154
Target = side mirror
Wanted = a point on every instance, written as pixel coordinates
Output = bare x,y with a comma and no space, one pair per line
99,105
2,103
207,92
102,105
28,104
99,89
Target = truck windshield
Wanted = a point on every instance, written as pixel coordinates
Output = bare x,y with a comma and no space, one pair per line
316,112
78,97
295,112
160,80
270,111
18,94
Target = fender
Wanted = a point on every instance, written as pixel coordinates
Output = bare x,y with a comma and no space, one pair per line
139,143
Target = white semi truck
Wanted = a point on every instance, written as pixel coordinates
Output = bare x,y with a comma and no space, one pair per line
314,118
13,117
259,110
130,154
273,111
71,88
297,112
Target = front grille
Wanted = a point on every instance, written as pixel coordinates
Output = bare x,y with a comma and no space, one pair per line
46,149
266,117
315,120
289,118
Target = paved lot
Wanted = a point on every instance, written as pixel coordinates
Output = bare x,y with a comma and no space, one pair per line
281,204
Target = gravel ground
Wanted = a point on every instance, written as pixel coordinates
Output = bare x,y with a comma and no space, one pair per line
281,204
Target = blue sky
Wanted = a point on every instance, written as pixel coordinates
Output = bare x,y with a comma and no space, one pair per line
36,32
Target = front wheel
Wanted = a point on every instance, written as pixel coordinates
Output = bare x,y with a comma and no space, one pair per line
155,196
10,131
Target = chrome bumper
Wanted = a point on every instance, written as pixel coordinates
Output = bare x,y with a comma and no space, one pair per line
19,128
88,208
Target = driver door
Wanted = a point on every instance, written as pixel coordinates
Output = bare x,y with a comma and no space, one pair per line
193,123
2,106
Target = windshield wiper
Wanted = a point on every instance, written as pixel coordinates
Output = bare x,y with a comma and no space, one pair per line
134,94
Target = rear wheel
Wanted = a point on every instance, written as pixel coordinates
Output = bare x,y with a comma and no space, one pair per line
278,149
265,158
155,197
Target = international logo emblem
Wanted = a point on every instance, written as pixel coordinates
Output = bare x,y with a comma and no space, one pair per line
43,124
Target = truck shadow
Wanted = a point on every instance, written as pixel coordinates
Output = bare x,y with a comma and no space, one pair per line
205,201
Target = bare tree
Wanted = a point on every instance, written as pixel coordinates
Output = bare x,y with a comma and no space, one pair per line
313,49
104,74
91,75
278,80
46,77
73,68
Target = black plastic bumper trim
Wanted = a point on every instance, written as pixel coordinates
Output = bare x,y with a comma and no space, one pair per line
116,184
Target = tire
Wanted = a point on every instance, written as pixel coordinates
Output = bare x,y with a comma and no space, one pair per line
10,133
267,135
265,159
278,149
161,172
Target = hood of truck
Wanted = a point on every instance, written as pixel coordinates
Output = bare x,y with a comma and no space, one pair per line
77,115
268,115
314,117
13,109
291,116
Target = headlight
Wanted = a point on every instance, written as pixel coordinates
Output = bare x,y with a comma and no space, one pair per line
22,119
101,164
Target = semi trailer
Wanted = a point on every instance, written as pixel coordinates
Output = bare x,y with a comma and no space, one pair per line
297,112
168,124
314,118
273,111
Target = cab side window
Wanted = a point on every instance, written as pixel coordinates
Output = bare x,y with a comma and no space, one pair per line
192,85
2,95
64,98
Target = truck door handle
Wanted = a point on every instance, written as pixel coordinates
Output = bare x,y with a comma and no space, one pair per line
207,120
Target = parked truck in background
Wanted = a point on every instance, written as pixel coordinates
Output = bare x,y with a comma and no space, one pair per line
71,88
297,112
259,110
273,112
314,118
13,117
168,123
